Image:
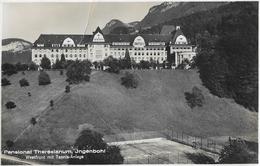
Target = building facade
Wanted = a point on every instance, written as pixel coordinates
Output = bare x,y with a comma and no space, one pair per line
99,46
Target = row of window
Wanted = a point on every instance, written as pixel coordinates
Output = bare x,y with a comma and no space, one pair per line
139,49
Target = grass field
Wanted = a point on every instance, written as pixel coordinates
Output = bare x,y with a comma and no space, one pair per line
108,107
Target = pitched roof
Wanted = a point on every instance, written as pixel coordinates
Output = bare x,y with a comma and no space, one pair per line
49,39
176,33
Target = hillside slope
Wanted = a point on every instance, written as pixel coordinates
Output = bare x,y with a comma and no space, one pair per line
158,102
16,50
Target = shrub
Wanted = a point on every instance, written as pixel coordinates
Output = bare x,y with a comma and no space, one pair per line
78,71
45,63
91,139
33,66
236,151
21,67
129,80
113,65
9,143
5,82
51,103
23,82
33,121
61,72
195,98
9,69
44,78
67,89
10,105
200,158
29,94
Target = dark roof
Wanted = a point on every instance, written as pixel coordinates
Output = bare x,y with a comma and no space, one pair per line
176,33
49,39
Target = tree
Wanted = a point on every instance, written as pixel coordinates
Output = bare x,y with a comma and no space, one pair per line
9,143
195,98
129,80
9,69
144,64
79,71
113,65
33,121
23,82
51,103
170,57
63,61
126,62
45,63
5,82
44,78
67,89
10,105
91,140
57,64
21,67
33,66
236,151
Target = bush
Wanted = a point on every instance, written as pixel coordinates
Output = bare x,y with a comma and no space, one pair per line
45,63
44,78
236,151
78,71
9,69
23,82
93,140
33,121
21,67
129,80
5,82
33,66
200,158
9,143
67,89
113,65
51,103
195,98
10,105
61,72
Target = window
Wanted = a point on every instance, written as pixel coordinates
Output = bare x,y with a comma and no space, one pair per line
66,50
57,50
71,55
51,50
75,56
158,53
52,56
80,55
66,56
35,55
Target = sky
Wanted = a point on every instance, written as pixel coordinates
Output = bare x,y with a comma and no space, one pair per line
29,20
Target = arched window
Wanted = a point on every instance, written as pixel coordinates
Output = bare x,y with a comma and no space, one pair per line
68,42
139,42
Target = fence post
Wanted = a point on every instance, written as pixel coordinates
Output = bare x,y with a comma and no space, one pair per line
182,136
172,135
201,142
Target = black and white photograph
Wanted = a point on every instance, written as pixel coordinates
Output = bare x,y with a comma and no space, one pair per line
129,82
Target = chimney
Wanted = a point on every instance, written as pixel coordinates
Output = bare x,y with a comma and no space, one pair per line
178,27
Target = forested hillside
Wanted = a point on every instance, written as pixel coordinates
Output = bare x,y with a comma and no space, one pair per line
228,42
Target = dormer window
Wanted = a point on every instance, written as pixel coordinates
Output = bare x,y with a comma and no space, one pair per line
98,37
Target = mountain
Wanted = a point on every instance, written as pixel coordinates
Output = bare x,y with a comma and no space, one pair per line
16,50
118,27
170,10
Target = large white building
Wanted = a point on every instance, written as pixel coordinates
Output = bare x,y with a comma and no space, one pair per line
99,46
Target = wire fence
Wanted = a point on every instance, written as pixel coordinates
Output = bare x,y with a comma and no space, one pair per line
178,158
196,142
